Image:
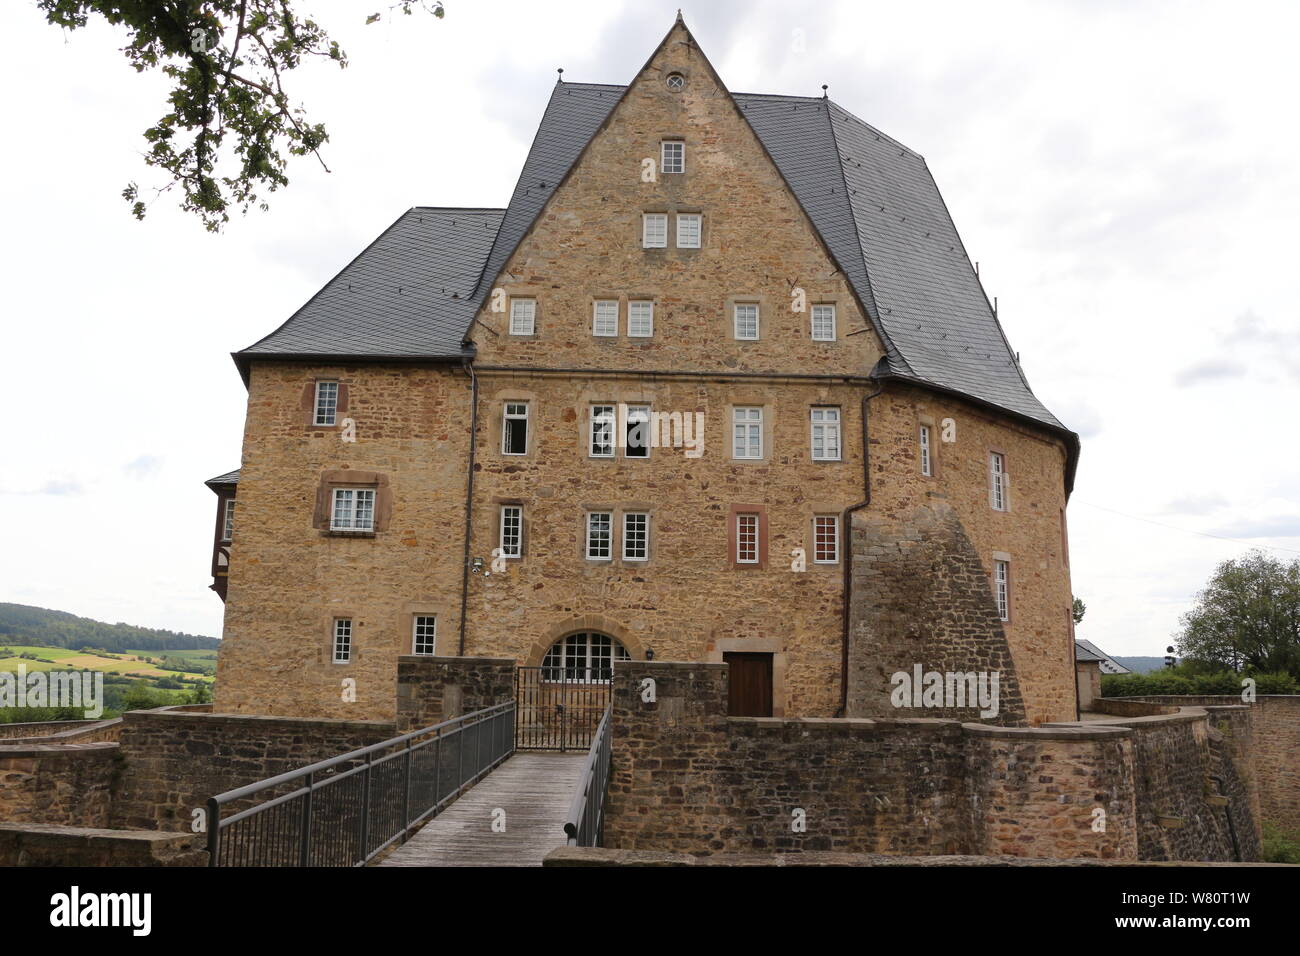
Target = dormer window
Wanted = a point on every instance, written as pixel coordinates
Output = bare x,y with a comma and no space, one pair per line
672,156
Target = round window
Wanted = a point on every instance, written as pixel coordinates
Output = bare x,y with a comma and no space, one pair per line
675,81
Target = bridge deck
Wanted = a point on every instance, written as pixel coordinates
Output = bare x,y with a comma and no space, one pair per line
534,790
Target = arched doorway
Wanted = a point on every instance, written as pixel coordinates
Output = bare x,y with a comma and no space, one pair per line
558,705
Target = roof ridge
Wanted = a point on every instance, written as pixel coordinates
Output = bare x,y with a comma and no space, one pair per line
457,209
883,135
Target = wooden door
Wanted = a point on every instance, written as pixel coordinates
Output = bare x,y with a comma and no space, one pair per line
750,691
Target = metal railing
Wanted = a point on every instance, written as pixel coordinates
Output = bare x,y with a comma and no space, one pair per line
346,810
585,823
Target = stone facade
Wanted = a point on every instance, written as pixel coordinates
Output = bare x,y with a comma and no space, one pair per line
290,578
687,778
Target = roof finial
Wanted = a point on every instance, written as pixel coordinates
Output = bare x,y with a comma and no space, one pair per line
679,15
824,88
560,70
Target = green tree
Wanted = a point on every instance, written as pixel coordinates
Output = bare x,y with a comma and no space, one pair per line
230,126
1078,609
1248,616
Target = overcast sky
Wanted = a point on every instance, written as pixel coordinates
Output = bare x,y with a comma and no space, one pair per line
1125,173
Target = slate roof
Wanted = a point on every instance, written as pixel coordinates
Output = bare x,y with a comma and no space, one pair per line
1082,654
407,295
1108,664
414,291
229,478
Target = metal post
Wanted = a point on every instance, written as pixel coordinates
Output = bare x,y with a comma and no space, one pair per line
304,848
406,788
214,830
365,806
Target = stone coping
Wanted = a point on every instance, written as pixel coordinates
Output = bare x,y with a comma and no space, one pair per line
199,719
45,749
600,856
93,835
1089,731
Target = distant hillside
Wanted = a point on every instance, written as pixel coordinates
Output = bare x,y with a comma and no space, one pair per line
21,624
1141,665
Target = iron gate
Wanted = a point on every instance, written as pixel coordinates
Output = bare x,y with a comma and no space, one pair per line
556,711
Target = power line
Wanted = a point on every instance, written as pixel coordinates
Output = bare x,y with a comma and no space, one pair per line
1203,534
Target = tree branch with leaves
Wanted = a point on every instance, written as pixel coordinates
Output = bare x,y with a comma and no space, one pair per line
231,127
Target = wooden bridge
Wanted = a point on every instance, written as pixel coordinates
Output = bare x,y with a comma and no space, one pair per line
458,793
512,817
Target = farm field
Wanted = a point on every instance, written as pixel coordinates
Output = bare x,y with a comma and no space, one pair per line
62,658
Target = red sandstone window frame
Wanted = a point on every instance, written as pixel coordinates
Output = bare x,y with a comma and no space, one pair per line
733,537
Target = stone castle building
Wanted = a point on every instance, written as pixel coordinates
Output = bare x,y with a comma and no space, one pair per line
720,384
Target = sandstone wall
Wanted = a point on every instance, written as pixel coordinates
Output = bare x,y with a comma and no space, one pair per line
1274,749
431,690
173,762
290,579
57,783
687,778
35,844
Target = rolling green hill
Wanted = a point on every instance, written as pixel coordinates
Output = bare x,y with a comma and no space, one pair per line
22,624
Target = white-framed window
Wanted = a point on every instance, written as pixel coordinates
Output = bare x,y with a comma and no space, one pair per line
602,431
826,539
228,520
688,230
604,319
342,640
826,434
998,481
927,463
512,531
744,317
1002,588
599,534
636,536
636,432
353,509
672,156
523,316
746,538
327,402
514,429
583,658
747,432
654,230
424,634
640,318
823,323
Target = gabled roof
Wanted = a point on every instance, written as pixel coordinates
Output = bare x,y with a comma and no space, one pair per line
1108,664
414,292
407,295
